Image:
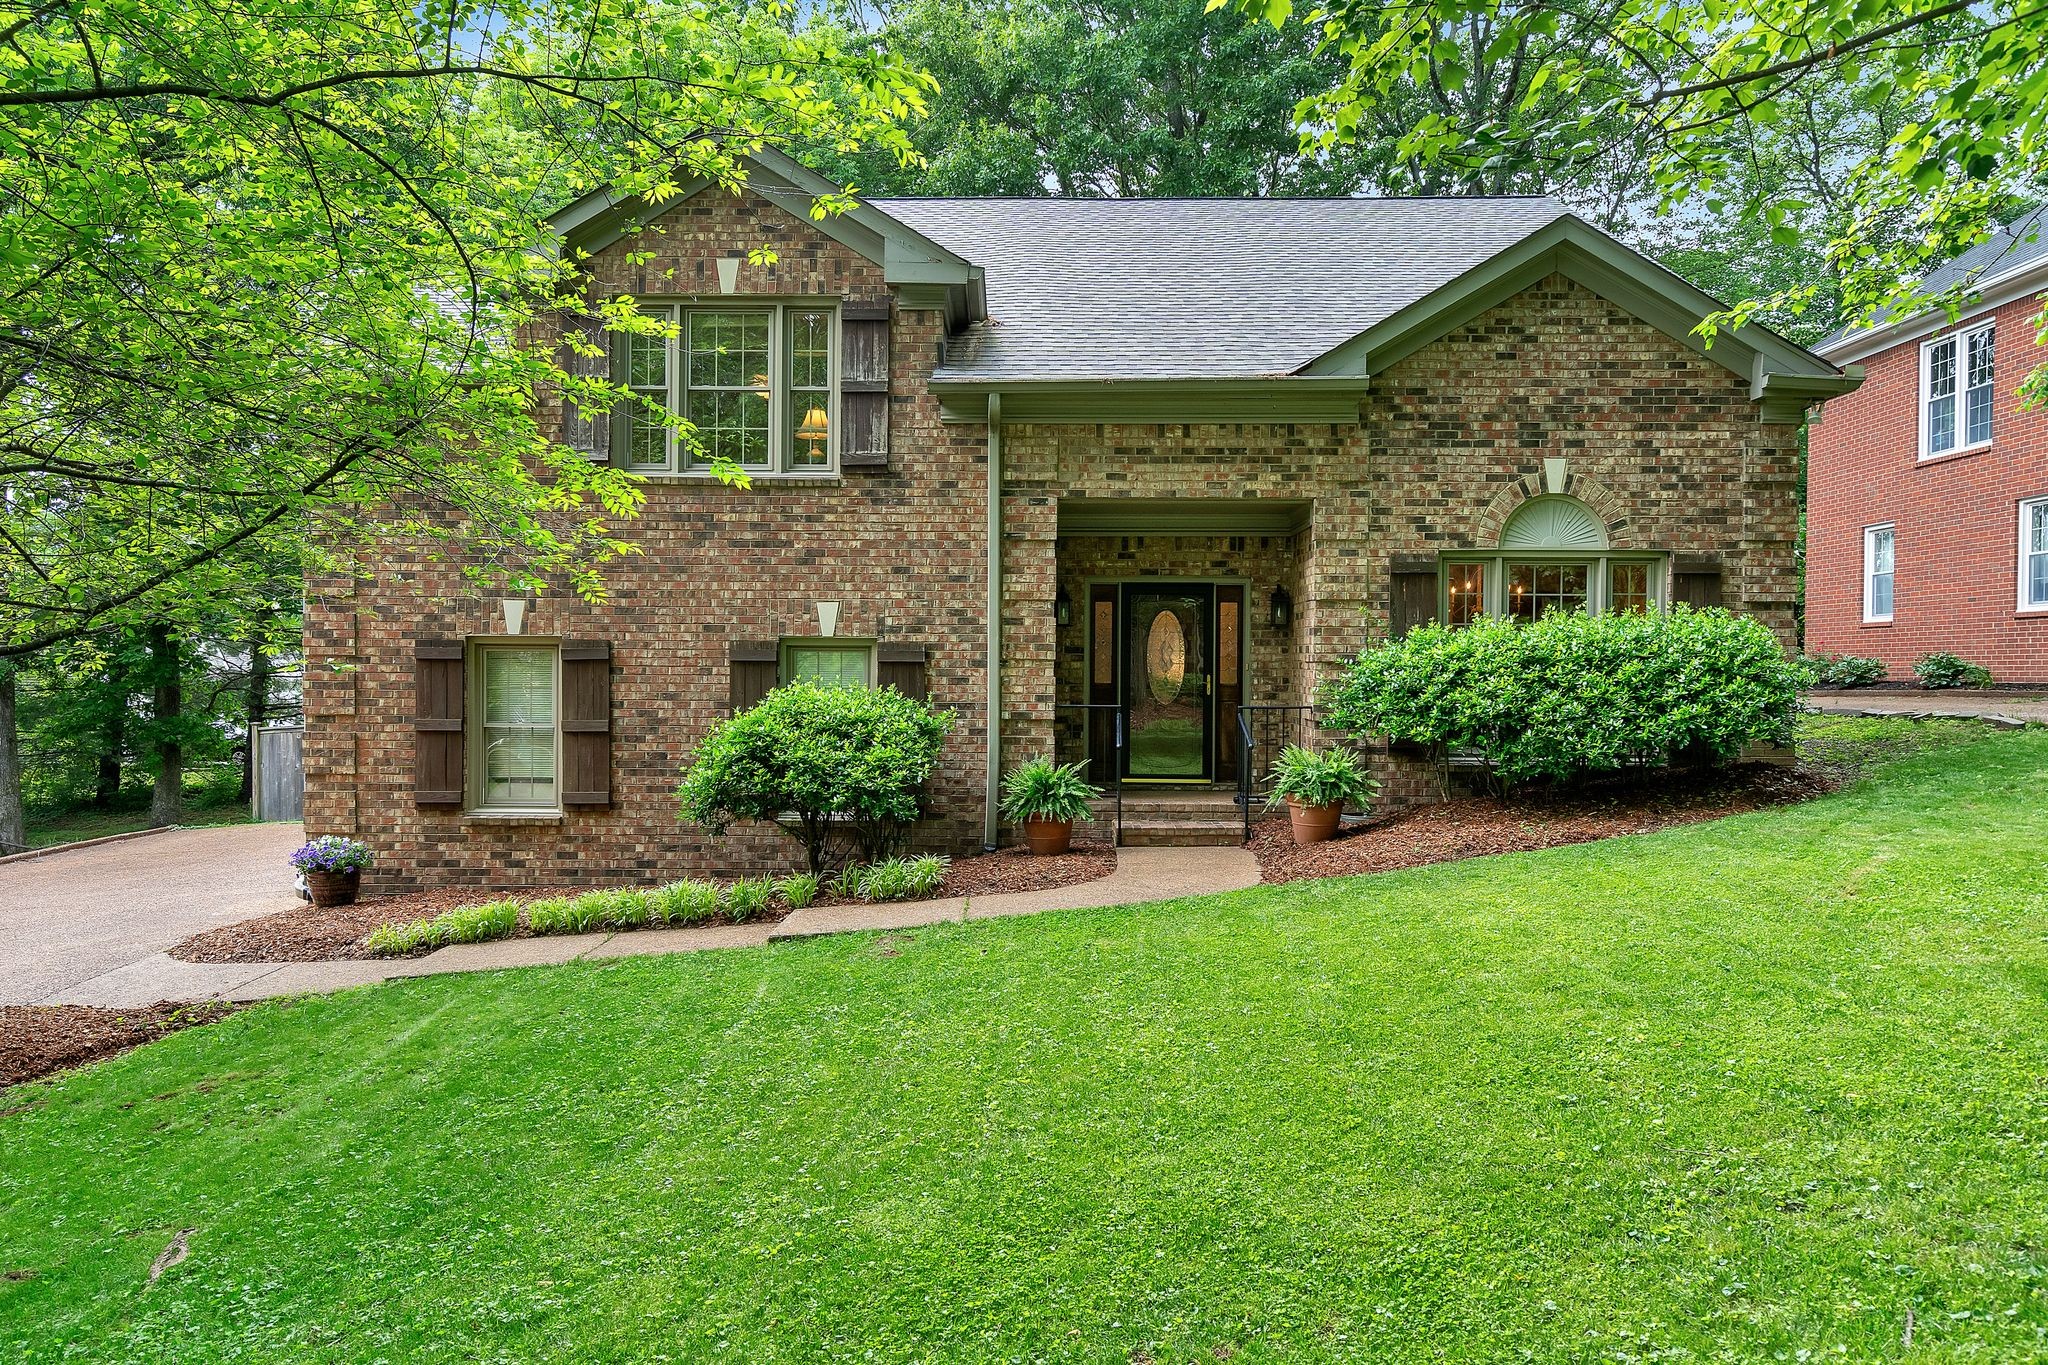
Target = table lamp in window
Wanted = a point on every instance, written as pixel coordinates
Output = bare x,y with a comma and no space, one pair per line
812,433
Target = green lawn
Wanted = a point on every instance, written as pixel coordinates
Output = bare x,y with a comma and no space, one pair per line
1747,1091
71,826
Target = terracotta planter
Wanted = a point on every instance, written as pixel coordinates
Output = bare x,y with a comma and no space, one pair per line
1313,824
334,888
1049,836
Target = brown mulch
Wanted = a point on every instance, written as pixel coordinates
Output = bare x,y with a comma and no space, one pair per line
36,1040
310,934
1474,827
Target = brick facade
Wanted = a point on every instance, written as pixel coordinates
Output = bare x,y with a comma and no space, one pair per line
1956,547
1666,446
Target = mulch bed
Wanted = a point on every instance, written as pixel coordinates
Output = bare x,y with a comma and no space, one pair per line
1474,827
36,1040
310,934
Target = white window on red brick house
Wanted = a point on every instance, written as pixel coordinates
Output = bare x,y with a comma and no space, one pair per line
516,739
1877,573
1955,392
2034,555
755,381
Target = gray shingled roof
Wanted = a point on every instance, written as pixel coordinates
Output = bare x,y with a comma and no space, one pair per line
1199,288
2023,240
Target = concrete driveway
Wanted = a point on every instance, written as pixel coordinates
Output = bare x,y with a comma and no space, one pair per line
70,917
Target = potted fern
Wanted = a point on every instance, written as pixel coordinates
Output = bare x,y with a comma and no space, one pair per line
1317,787
1046,798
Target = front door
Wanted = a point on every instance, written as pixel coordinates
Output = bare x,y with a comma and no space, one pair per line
1169,681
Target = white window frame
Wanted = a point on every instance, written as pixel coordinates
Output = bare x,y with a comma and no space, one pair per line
474,738
1870,534
785,670
781,435
1599,581
2028,507
1960,340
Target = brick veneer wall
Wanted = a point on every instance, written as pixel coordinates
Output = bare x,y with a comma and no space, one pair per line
1956,552
901,551
1664,443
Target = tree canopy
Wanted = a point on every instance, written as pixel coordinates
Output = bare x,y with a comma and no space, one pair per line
267,268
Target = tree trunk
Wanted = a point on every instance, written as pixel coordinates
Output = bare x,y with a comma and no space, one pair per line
258,708
167,802
13,831
107,780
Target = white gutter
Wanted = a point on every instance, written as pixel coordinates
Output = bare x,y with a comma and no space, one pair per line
1995,292
994,724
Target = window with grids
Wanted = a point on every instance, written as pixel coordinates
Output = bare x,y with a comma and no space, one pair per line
1956,392
516,748
1877,573
1522,585
829,663
2034,555
756,384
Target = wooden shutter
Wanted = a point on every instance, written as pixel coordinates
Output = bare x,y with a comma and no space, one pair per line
864,386
901,667
586,723
753,672
437,722
1697,588
590,433
1411,601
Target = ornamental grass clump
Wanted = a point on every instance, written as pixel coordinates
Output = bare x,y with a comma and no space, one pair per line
902,879
466,924
798,889
840,762
747,899
556,915
1572,694
683,902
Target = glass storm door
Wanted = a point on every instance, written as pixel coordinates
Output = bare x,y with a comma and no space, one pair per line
1169,680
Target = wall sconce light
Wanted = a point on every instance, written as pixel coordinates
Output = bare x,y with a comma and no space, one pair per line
1280,609
1063,608
828,619
515,614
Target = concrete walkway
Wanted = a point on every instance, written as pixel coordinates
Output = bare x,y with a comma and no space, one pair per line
69,917
2005,707
1142,874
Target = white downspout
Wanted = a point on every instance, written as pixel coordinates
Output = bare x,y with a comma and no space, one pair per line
993,796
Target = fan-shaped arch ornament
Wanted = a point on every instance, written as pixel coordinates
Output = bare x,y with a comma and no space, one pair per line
1553,523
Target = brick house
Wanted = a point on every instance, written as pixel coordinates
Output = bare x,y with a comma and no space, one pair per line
1927,487
1219,446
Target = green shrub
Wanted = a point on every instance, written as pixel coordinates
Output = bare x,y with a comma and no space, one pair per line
1573,694
1044,790
465,924
798,889
1334,776
747,898
1942,669
1845,670
841,761
900,879
684,902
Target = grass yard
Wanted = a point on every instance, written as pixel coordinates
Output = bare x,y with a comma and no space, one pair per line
1772,1088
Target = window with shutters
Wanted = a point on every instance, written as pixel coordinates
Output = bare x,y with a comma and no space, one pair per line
1955,392
515,728
829,663
1553,556
756,382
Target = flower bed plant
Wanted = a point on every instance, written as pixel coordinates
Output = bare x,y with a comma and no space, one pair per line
1331,777
1574,694
1943,669
331,853
1845,670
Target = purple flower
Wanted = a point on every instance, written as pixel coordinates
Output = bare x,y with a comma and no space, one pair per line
331,853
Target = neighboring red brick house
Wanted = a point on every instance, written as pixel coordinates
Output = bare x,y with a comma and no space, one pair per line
1927,487
1234,441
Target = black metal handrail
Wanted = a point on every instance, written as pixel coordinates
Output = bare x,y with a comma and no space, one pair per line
1113,714
1262,732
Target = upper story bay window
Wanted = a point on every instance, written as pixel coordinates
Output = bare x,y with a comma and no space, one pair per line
1955,392
754,380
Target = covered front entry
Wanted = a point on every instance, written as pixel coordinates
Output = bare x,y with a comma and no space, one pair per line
1168,657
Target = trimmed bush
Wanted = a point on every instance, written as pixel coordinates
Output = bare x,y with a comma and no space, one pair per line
1942,669
798,889
466,924
1845,670
684,902
841,761
1574,694
747,898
